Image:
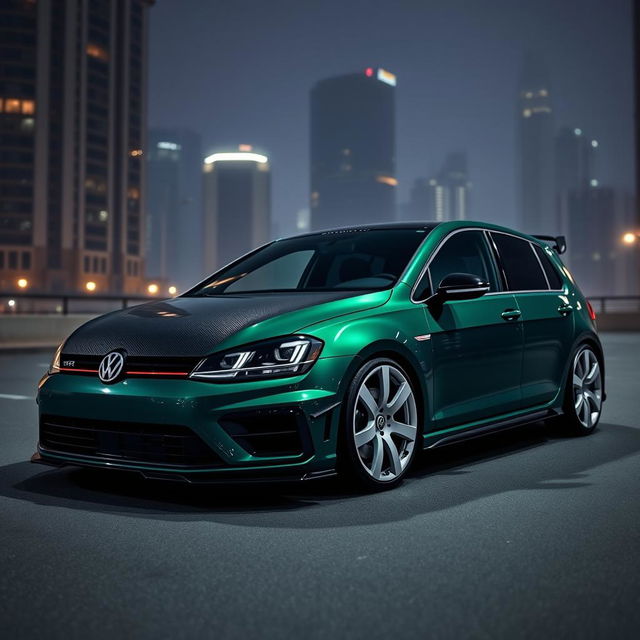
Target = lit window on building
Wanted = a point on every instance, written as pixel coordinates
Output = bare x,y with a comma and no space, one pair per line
98,52
12,105
28,107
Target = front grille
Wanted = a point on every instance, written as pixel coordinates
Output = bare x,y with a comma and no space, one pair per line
167,367
279,431
171,445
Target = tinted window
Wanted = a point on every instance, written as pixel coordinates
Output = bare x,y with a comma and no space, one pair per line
555,281
520,263
465,252
356,260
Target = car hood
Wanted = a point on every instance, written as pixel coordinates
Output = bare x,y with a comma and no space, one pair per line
195,326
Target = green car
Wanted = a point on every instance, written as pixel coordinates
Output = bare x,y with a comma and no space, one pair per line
344,351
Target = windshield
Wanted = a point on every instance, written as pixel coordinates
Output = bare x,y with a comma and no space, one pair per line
362,260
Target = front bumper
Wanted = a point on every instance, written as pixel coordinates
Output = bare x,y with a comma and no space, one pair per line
231,431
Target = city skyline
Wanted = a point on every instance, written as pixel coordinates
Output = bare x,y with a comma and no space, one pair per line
457,74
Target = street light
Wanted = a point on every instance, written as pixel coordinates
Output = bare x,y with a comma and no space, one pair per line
90,286
630,237
152,289
23,283
173,290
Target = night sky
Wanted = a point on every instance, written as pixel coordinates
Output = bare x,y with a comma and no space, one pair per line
240,71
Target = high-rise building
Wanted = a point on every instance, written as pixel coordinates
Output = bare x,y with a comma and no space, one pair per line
72,134
575,159
353,176
444,196
536,150
174,207
595,223
237,205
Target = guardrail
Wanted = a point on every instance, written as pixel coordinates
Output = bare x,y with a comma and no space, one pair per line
67,303
615,304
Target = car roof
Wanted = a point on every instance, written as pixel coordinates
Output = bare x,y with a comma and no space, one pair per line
418,226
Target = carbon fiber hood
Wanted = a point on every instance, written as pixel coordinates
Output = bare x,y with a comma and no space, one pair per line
191,326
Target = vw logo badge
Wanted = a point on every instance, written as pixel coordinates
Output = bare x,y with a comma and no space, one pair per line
111,367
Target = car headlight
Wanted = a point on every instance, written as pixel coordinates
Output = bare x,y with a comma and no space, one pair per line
279,358
54,367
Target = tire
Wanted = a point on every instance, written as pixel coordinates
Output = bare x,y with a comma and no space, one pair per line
583,393
381,427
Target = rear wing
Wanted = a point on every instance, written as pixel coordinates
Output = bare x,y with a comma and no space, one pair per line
557,243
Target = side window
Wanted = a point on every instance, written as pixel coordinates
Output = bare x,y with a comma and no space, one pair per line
555,281
520,263
463,252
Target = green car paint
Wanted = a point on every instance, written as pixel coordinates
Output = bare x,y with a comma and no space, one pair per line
471,366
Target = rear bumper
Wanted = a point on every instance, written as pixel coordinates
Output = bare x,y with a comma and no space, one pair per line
238,425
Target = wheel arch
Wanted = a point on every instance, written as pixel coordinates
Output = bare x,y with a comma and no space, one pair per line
396,351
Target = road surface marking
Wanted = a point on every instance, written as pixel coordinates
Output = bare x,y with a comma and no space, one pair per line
11,396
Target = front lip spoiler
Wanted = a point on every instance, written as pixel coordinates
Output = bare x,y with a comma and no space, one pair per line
219,477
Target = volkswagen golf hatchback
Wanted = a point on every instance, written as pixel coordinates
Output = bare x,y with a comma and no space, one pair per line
343,351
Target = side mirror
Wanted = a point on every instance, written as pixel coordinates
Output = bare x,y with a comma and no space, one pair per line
459,286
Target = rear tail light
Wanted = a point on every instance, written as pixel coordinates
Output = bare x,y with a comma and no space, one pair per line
592,313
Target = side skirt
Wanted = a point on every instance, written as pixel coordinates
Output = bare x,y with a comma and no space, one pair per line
494,427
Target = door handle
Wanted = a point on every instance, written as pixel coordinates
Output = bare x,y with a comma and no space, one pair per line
565,309
511,314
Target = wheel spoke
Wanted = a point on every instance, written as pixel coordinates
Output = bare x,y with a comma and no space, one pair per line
366,435
406,431
593,373
394,456
369,401
586,414
378,455
579,403
584,357
577,380
404,391
593,399
385,386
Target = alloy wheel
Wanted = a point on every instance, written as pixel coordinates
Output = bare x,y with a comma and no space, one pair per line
385,423
587,388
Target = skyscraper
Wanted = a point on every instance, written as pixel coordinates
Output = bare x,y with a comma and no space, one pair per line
594,253
353,177
237,205
575,159
444,196
174,207
575,156
536,150
72,127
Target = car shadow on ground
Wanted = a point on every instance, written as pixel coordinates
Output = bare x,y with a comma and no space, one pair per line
529,458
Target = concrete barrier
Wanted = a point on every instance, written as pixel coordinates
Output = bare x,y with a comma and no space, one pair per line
37,331
618,321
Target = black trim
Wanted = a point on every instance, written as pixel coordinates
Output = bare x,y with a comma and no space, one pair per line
501,425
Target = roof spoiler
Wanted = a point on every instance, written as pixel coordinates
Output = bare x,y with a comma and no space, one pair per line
558,243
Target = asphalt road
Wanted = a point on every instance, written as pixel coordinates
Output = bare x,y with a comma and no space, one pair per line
521,535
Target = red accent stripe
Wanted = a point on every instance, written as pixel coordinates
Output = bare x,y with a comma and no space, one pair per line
157,373
79,370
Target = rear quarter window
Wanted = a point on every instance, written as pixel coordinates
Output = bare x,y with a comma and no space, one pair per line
521,266
555,281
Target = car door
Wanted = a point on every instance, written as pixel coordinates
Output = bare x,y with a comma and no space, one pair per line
546,316
476,344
